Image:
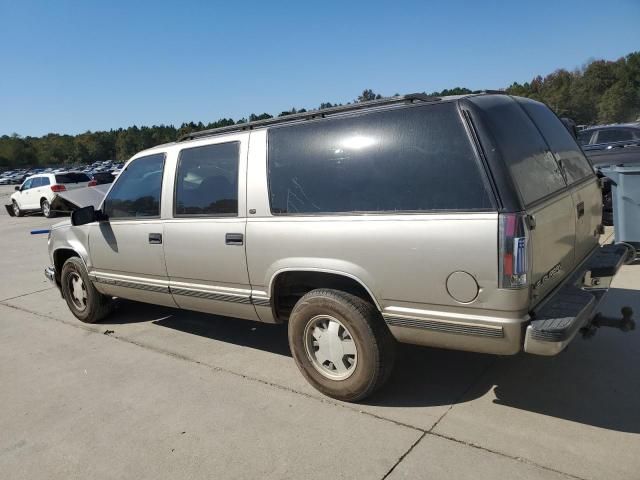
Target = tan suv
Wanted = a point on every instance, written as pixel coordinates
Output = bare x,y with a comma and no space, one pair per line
467,222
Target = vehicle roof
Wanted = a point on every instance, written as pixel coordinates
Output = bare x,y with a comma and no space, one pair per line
634,125
385,103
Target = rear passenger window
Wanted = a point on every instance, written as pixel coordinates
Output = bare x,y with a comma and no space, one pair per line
137,191
611,135
207,180
409,159
524,151
45,181
562,144
37,182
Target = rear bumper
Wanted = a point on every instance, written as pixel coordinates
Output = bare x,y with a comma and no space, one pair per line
559,318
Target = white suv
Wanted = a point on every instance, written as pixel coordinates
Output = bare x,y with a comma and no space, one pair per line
37,191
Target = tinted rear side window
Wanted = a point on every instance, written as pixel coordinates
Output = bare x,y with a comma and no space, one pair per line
562,144
524,151
72,178
410,159
207,180
610,135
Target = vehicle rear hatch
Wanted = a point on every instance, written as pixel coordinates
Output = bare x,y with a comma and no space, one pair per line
546,209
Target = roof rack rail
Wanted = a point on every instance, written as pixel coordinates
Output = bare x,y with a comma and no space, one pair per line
310,115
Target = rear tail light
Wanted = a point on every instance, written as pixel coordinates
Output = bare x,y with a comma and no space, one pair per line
513,251
92,183
58,188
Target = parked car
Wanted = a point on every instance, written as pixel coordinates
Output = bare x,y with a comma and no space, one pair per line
609,136
101,178
37,192
467,223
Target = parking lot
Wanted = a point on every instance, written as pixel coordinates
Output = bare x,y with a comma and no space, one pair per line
154,392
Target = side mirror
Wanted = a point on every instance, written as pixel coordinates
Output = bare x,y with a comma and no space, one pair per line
17,189
84,215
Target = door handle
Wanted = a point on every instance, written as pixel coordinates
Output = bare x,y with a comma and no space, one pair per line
580,209
155,238
234,239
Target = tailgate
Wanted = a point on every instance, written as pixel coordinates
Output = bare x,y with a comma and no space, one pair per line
552,243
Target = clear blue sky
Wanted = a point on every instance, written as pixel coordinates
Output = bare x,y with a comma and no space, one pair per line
72,66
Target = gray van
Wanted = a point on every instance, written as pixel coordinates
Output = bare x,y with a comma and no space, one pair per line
468,222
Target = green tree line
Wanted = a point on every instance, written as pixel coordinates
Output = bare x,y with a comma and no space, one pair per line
599,92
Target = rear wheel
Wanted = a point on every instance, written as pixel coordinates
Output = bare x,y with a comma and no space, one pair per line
341,344
84,301
46,208
16,209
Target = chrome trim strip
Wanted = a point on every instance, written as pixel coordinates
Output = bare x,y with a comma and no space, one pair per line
261,301
128,284
444,326
221,297
217,295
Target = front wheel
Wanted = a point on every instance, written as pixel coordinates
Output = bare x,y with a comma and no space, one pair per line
341,344
84,301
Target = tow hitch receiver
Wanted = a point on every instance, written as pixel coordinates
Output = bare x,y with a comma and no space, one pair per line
624,323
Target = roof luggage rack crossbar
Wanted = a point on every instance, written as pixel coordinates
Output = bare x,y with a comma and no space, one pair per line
310,115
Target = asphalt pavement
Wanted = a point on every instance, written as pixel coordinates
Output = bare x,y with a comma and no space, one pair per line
154,392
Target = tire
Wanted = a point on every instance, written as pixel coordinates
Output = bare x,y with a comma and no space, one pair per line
326,315
46,208
85,302
16,209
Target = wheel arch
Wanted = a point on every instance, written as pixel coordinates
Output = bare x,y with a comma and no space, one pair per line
310,279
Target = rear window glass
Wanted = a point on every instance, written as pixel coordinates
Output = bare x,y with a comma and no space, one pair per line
611,135
207,180
562,144
409,159
72,177
584,137
524,151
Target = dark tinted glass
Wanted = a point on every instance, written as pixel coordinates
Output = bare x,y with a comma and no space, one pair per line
45,181
610,135
410,159
137,191
37,182
103,177
523,149
560,141
207,180
72,177
584,137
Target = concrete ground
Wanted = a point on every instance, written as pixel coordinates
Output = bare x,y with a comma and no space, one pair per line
159,393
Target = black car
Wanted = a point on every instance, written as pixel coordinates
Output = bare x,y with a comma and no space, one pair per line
606,137
102,178
610,145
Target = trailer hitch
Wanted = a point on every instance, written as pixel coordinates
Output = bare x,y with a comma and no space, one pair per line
624,323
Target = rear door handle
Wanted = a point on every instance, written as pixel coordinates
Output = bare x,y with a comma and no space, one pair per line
155,238
580,209
234,239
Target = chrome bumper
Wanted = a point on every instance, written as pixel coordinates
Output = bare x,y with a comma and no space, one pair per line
573,306
50,273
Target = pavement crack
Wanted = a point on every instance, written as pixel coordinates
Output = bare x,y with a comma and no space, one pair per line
505,455
25,295
326,400
464,393
402,457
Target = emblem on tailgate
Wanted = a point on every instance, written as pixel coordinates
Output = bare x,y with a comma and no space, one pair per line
548,276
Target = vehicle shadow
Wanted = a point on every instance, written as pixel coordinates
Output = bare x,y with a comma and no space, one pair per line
595,382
